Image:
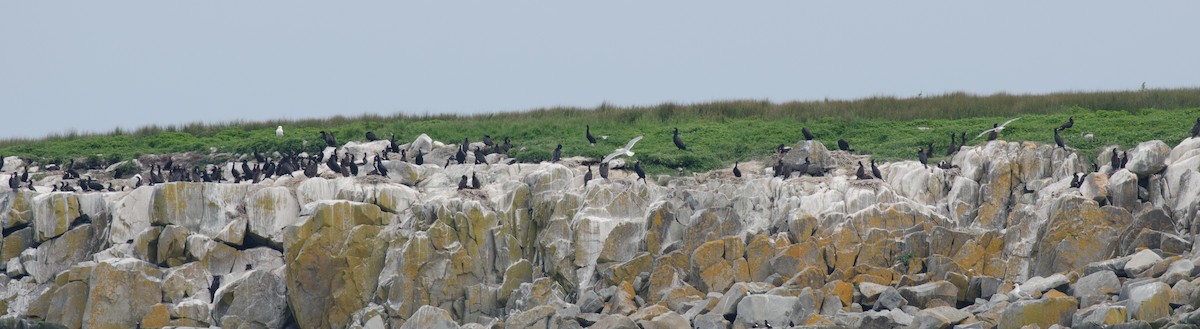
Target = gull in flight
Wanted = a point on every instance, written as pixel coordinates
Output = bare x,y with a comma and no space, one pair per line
627,150
997,129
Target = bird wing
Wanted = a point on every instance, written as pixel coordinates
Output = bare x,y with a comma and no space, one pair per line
629,146
984,132
1009,121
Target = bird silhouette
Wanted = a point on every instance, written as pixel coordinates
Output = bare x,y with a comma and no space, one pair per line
996,129
679,142
591,139
627,150
736,172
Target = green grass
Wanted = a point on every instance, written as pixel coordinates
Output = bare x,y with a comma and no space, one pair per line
717,133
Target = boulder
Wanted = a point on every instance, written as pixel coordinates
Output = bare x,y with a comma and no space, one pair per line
1095,287
1148,158
1148,301
759,308
334,259
890,299
1100,315
1141,262
922,295
939,317
140,284
430,317
1179,270
269,210
190,281
1123,190
204,208
1042,312
1077,233
256,298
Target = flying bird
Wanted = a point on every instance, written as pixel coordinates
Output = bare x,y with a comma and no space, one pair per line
996,129
626,151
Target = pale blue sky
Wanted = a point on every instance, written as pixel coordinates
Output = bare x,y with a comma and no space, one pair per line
96,65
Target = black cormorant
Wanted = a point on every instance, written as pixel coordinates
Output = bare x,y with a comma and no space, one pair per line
875,170
591,139
474,181
993,134
1196,128
328,137
807,134
736,172
950,150
923,157
1069,124
604,170
588,176
637,167
1058,139
557,155
844,145
460,156
420,160
487,141
462,183
862,172
679,142
371,136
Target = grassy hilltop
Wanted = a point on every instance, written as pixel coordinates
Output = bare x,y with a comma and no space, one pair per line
717,133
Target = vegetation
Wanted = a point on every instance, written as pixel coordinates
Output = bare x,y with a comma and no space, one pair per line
717,133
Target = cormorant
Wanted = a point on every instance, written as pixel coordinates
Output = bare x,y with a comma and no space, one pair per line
474,181
844,145
463,147
803,169
557,154
245,168
258,156
25,174
328,137
93,185
1058,139
637,167
13,183
479,157
807,134
139,180
1196,128
371,136
237,177
462,183
30,186
588,176
778,168
862,172
110,188
506,146
379,167
403,156
460,156
1115,160
929,151
447,165
487,141
333,164
420,160
950,150
279,131
1077,180
310,170
962,139
924,158
1124,158
1069,124
591,139
992,134
353,166
679,142
604,170
736,172
875,170
391,145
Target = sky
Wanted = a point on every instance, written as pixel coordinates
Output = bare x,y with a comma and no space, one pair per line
92,66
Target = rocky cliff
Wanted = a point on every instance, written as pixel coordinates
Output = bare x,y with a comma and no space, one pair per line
536,247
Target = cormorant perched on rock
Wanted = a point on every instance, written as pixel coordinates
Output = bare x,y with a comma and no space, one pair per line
924,158
349,163
1115,160
591,139
1058,139
637,167
844,145
110,188
403,156
1077,180
778,169
506,146
237,176
679,142
279,131
392,145
92,185
447,165
466,143
781,150
1196,128
929,151
310,170
807,134
962,139
862,172
588,176
1124,158
379,167
736,172
875,170
333,164
460,156
371,136
245,168
1069,124
25,174
950,150
328,137
462,183
557,155
474,181
604,170
480,158
487,141
30,186
420,160
803,169
139,181
257,156
13,182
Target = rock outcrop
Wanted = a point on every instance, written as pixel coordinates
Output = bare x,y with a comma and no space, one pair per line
922,247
